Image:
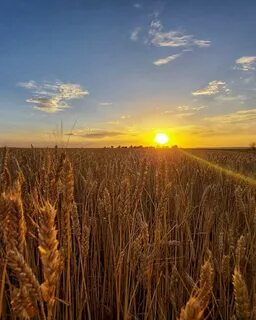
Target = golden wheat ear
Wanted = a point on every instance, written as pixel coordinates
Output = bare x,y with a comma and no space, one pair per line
242,303
21,303
15,229
198,302
5,175
49,254
192,310
206,284
24,273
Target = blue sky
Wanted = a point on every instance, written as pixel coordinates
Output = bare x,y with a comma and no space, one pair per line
117,72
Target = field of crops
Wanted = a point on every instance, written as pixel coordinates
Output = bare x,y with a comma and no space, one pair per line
127,234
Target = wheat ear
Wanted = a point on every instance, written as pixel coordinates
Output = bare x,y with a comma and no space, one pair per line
242,303
49,254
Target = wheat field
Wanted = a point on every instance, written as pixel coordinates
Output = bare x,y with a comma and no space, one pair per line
127,234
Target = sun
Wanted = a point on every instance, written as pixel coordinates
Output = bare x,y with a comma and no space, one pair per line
161,138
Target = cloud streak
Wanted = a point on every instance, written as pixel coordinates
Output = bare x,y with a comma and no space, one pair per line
53,97
95,134
241,122
189,108
31,84
167,60
240,116
137,5
173,38
246,63
184,111
213,88
105,104
135,34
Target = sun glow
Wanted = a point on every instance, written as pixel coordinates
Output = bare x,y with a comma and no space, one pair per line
161,138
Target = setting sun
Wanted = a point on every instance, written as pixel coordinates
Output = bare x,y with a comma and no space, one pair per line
161,138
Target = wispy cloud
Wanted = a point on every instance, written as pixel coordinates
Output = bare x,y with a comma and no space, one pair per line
241,98
184,111
240,116
173,38
53,97
105,104
137,5
113,122
49,105
135,34
213,88
241,122
166,60
246,63
102,134
125,116
190,108
95,133
31,84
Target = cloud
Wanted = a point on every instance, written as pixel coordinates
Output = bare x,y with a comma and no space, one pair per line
184,111
50,105
137,5
166,60
103,134
53,97
95,133
105,104
240,98
113,122
240,116
213,88
246,63
135,34
125,116
189,108
173,38
249,79
241,122
202,43
31,84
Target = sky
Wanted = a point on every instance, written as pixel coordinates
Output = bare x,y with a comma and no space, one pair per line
101,73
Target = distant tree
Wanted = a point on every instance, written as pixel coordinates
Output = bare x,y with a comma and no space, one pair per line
253,145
